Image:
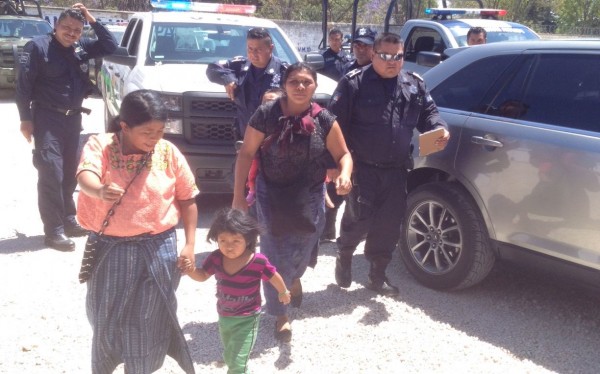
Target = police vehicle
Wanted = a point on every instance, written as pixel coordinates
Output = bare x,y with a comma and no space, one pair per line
425,40
168,50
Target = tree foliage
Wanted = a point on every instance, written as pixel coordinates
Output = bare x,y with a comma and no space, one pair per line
551,13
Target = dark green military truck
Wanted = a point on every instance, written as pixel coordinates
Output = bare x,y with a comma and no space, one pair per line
17,27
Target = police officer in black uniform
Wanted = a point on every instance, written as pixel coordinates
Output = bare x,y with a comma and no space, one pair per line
335,58
378,107
247,79
362,48
52,83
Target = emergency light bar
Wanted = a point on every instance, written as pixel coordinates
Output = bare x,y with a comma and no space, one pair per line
456,11
189,6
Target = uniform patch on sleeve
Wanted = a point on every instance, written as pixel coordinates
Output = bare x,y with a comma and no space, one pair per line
24,58
335,97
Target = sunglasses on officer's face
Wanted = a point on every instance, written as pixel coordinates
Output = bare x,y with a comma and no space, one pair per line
388,57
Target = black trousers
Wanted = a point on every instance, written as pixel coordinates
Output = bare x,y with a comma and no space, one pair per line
374,210
55,157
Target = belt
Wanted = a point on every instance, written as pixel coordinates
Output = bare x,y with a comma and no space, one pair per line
379,165
63,111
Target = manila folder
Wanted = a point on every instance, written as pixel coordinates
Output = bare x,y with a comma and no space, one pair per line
427,140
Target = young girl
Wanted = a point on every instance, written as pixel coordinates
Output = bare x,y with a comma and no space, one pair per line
238,271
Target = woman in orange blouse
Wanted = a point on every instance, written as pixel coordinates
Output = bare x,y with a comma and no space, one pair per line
131,301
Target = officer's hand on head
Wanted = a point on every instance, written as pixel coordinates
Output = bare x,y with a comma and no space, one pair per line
86,13
27,130
230,89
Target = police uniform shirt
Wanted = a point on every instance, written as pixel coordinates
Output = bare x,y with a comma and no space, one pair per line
378,115
334,63
352,65
56,75
249,90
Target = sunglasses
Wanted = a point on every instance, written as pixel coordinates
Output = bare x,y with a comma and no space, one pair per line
388,57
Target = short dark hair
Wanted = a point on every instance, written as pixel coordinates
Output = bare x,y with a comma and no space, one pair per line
259,33
336,31
236,222
300,65
275,90
139,107
387,37
477,30
73,13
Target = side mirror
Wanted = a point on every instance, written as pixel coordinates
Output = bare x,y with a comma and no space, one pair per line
315,60
428,58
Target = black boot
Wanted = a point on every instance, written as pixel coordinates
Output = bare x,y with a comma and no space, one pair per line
343,268
329,230
377,281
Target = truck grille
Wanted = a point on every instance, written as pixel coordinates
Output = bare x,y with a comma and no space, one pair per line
203,129
210,119
7,56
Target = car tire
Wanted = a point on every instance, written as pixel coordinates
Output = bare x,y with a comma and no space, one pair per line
444,242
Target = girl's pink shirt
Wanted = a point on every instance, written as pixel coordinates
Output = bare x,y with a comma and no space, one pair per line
150,205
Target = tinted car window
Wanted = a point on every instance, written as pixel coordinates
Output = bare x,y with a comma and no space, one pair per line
423,39
533,93
502,33
465,89
205,43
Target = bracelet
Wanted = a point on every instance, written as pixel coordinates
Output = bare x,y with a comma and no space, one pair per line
284,293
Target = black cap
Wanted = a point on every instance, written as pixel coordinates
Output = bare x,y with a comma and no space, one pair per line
364,35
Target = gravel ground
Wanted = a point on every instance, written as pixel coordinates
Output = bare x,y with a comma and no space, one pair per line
514,322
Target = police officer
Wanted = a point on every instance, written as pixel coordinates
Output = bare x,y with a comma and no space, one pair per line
334,57
362,48
52,83
247,79
378,107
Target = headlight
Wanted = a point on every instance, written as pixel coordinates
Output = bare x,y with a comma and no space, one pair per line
172,102
174,126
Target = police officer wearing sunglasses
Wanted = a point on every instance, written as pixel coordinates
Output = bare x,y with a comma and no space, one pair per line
378,107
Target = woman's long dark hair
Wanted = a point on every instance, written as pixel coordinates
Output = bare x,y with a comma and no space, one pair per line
139,107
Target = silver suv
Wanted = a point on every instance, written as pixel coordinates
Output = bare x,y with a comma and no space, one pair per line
520,178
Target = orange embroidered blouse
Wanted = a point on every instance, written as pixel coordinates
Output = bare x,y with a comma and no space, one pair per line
150,205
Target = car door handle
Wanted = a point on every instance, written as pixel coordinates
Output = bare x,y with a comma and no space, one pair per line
118,75
486,141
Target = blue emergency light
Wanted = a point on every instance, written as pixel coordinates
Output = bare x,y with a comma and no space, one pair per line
456,11
190,6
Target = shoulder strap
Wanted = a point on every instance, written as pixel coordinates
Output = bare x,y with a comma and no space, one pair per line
111,211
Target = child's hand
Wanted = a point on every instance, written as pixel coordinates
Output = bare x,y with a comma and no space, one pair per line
185,265
285,297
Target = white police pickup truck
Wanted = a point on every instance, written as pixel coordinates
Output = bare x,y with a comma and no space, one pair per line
425,40
168,51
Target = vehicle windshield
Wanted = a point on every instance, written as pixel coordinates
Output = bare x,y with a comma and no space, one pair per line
206,43
22,28
504,33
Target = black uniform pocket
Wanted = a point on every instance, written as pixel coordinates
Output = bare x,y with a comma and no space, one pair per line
359,203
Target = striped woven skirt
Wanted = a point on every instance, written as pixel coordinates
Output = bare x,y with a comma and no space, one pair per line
131,304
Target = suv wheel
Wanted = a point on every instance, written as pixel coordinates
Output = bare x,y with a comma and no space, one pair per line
444,242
